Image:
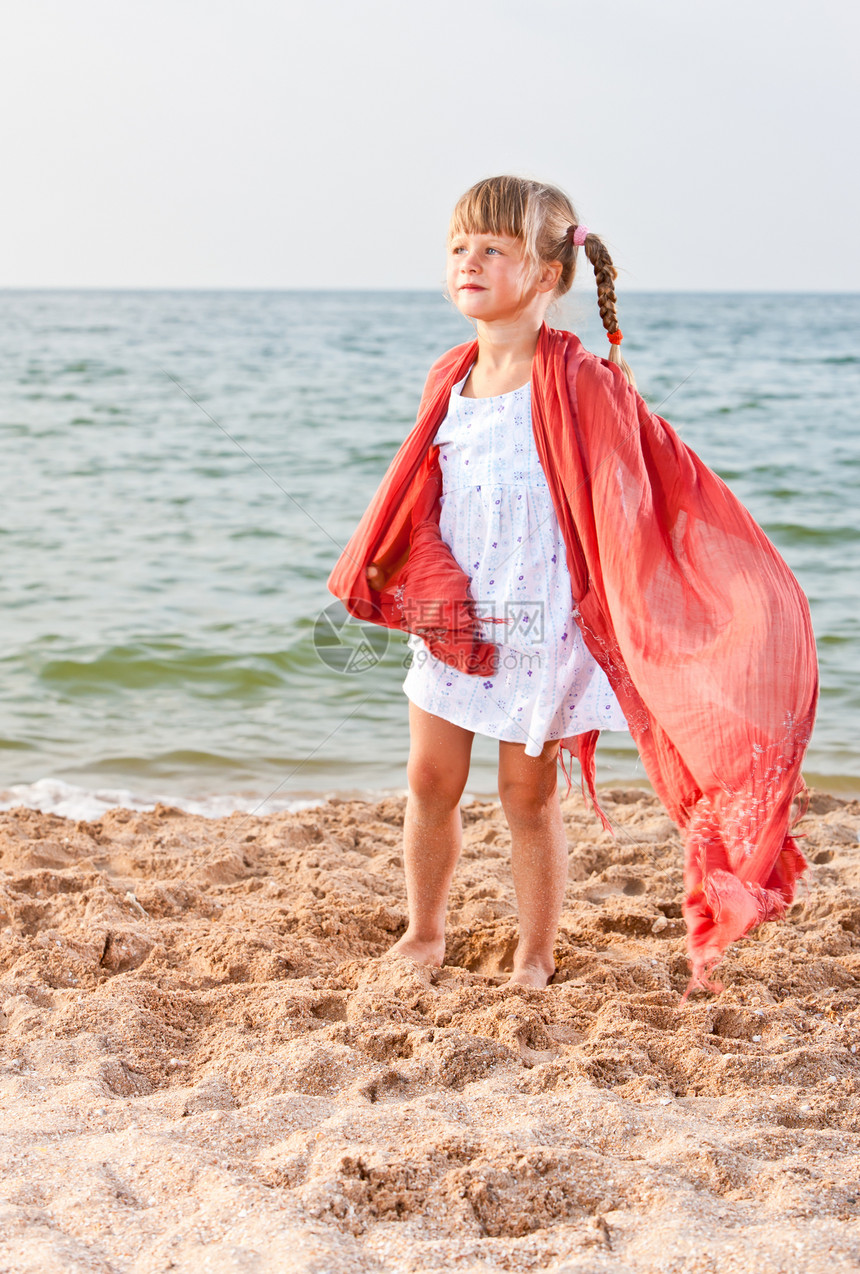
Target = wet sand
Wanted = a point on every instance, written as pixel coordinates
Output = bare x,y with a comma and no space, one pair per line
204,1066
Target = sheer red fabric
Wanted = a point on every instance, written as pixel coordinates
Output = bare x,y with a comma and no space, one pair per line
702,629
429,594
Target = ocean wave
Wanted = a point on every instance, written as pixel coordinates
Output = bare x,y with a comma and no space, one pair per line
54,796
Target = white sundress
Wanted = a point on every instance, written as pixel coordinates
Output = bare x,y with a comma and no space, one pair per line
498,519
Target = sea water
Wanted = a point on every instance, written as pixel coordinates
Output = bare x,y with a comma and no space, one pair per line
181,470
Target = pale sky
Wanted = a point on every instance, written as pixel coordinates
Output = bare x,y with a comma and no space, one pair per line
272,144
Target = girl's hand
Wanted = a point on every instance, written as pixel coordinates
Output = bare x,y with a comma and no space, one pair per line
375,576
379,576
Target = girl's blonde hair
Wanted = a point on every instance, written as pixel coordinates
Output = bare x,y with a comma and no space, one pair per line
544,219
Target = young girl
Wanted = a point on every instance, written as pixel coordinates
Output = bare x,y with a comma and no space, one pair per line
539,503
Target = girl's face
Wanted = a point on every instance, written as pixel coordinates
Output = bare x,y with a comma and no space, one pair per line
488,278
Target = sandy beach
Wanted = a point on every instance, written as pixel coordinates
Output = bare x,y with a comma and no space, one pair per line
205,1066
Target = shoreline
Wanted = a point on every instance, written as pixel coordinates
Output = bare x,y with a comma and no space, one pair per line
205,1062
52,795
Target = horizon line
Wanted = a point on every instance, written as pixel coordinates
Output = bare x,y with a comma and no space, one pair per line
405,291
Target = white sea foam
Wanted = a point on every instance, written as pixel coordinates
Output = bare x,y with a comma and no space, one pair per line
54,796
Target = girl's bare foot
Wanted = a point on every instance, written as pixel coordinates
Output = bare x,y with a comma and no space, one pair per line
425,951
532,973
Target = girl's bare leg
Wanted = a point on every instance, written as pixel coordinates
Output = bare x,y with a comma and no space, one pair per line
438,768
528,790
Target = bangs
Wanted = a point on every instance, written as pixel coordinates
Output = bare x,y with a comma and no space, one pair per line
495,206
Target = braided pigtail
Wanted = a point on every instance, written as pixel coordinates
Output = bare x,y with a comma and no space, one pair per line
605,275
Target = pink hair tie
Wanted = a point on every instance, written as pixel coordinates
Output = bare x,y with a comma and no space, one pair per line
580,235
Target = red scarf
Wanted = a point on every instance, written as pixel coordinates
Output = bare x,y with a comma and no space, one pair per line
700,626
